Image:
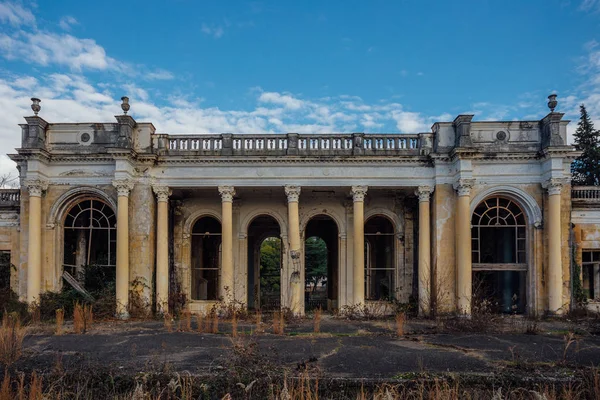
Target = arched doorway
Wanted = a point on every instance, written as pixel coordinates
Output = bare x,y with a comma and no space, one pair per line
380,259
499,255
89,238
321,263
206,259
264,263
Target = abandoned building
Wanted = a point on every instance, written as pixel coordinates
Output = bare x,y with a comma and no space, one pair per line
471,210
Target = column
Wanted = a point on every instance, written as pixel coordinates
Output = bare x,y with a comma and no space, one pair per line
358,197
296,286
122,275
226,287
34,248
424,192
555,281
464,278
162,248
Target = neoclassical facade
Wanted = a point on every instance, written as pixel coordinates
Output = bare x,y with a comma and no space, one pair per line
471,209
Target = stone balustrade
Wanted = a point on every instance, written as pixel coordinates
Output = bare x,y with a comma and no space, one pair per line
10,197
357,144
582,195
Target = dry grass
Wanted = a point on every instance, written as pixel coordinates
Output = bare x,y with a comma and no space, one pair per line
83,318
5,389
214,322
278,323
185,322
60,319
400,319
168,322
258,322
11,339
199,322
234,325
317,320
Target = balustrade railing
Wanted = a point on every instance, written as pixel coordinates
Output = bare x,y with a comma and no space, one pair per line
585,194
10,197
296,144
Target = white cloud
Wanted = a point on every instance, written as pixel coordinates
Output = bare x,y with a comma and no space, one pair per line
215,31
281,99
159,74
67,22
15,14
45,48
590,5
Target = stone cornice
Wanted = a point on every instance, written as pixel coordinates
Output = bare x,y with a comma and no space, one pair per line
166,160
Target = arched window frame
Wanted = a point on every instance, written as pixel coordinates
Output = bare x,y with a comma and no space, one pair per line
101,217
502,212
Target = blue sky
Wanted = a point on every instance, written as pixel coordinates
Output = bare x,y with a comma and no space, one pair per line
296,66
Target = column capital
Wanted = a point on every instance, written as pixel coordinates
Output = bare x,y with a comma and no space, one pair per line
124,186
553,186
423,193
359,193
227,193
463,186
292,193
162,192
36,186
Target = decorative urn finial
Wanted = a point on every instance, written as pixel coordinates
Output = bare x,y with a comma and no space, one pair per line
35,106
552,102
125,104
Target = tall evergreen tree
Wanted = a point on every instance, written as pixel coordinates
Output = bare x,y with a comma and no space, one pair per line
586,169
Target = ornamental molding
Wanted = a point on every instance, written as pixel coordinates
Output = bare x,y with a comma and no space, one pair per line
162,192
124,186
359,193
553,185
424,193
227,193
292,193
36,187
463,186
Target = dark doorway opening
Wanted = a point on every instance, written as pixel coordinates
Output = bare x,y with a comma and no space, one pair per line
499,256
4,270
264,264
500,291
379,259
206,259
321,264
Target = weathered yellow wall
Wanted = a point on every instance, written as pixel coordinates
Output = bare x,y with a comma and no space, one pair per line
443,206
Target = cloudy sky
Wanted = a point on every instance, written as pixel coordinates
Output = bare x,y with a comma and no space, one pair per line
304,66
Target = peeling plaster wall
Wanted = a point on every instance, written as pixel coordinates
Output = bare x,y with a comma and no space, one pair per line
443,246
142,240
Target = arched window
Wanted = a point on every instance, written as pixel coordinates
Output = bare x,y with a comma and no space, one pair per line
90,236
498,232
499,254
206,259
